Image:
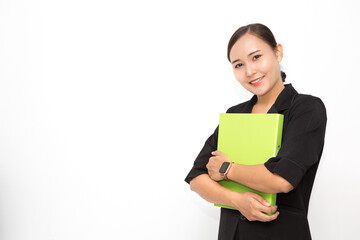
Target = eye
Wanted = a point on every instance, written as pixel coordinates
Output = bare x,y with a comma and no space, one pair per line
238,65
257,56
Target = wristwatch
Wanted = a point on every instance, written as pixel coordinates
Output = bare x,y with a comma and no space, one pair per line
224,169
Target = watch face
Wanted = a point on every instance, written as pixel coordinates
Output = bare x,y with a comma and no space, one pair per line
224,167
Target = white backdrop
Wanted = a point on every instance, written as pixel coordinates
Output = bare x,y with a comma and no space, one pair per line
104,106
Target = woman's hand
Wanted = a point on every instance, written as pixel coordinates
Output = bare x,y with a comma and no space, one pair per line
254,207
250,204
215,163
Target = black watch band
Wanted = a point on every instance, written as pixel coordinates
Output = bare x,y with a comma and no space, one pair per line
224,168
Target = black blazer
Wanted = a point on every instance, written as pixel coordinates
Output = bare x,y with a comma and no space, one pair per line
297,162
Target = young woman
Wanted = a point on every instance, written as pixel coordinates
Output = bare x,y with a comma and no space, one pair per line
255,58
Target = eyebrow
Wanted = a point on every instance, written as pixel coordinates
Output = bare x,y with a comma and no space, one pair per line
248,56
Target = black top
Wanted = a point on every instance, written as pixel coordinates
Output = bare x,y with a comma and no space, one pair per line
297,162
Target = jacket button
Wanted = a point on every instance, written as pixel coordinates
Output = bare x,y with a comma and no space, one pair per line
242,218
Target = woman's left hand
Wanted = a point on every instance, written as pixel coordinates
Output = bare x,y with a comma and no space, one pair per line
215,163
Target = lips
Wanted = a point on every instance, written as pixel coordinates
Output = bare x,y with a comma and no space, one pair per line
256,81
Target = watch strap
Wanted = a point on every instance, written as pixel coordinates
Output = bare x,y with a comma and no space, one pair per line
227,171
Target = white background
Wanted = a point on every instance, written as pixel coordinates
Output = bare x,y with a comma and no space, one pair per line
104,106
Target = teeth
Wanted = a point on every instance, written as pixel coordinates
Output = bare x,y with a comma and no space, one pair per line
253,82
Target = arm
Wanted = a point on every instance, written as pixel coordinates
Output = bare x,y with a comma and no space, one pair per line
260,178
212,191
256,176
251,205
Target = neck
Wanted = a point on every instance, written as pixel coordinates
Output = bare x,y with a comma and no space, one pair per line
269,98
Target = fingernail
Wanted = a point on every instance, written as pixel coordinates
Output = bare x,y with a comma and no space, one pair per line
268,204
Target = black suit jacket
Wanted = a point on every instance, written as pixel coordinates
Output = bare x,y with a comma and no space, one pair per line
297,162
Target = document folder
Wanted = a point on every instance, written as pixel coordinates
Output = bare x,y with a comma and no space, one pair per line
249,139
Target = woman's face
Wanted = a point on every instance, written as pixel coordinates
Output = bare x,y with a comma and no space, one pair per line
256,65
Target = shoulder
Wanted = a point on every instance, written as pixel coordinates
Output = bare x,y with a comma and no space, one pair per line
239,108
304,98
308,102
305,104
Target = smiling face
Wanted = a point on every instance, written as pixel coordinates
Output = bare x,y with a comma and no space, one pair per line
256,65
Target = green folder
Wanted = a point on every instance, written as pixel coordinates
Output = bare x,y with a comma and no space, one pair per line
249,139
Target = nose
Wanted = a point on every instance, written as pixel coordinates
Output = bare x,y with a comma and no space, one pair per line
250,70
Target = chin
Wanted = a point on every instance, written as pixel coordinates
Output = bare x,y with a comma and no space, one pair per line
260,92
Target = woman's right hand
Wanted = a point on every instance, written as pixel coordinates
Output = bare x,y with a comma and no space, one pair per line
254,207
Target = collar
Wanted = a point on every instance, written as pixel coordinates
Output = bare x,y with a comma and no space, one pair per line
283,101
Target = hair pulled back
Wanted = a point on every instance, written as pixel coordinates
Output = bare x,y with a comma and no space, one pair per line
259,30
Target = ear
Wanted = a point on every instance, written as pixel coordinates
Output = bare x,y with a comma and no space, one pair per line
279,52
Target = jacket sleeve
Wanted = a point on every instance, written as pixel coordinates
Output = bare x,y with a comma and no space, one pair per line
202,159
302,142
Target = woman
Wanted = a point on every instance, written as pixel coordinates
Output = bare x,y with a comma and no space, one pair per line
255,57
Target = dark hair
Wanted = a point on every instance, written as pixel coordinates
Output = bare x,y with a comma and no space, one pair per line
259,30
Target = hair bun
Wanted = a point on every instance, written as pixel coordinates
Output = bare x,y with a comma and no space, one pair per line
283,76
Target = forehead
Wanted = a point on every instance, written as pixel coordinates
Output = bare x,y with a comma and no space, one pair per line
247,44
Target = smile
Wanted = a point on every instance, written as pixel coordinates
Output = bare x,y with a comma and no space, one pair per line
256,81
